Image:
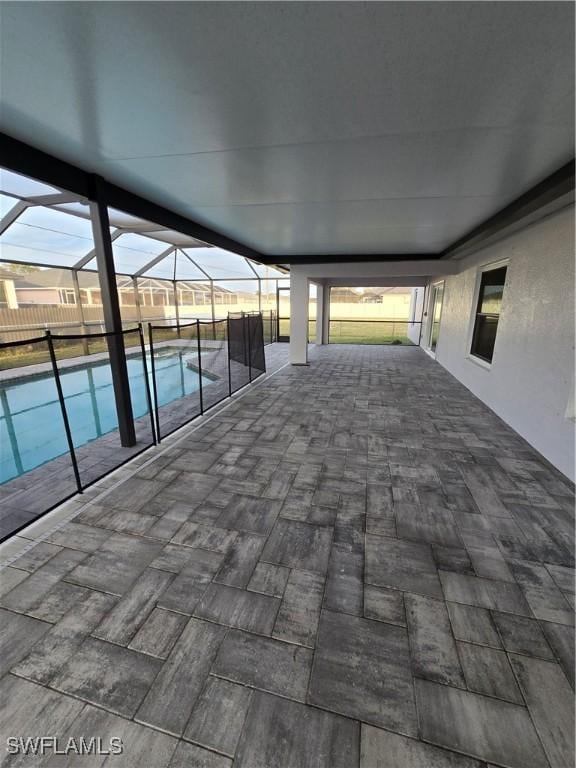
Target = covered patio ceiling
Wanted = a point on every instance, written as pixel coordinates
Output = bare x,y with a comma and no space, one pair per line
302,130
43,226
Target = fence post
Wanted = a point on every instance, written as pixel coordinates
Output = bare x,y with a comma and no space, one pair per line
244,340
261,321
247,326
64,412
228,342
154,389
147,382
199,366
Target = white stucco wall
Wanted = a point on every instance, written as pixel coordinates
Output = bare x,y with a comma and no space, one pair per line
530,384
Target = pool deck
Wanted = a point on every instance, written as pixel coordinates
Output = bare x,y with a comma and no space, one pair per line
354,564
24,498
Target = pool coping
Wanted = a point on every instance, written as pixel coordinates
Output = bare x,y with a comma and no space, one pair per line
39,369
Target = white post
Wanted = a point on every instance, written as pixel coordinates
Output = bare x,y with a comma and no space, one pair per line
326,314
298,317
320,313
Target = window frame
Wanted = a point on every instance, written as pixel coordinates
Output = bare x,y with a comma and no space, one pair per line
491,267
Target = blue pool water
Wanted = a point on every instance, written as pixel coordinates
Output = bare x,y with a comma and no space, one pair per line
31,425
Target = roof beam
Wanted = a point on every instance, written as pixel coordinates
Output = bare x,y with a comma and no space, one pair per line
57,199
551,194
198,267
92,254
12,215
154,261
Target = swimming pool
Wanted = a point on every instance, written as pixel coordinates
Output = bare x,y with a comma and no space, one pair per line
31,425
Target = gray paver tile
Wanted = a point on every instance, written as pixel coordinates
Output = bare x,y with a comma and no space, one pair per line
107,675
487,671
561,640
240,562
159,633
383,749
284,733
404,565
218,717
34,710
191,756
522,635
384,605
298,545
473,625
10,578
246,513
237,608
208,537
269,579
344,585
478,726
132,610
49,655
263,663
432,647
362,670
18,634
117,564
550,701
170,700
299,614
36,557
141,746
484,593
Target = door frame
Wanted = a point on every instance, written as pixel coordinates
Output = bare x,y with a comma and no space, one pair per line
431,306
279,337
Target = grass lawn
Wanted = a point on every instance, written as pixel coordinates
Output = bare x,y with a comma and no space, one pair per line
350,332
357,332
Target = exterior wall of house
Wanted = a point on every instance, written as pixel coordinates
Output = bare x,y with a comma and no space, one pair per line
38,296
530,383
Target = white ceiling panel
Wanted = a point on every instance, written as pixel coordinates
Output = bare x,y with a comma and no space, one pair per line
276,123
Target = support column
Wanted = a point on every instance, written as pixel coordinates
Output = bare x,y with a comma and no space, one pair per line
326,314
112,320
137,299
212,300
320,297
78,299
176,307
299,298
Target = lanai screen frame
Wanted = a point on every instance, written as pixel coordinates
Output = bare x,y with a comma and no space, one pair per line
176,246
72,185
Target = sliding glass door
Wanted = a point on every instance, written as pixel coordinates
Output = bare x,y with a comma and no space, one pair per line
435,312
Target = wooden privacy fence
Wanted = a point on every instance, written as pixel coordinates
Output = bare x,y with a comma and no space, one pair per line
25,322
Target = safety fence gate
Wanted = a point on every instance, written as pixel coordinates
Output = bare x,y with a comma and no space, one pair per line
75,407
196,365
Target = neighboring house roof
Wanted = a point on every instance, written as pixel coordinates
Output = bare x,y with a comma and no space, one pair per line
61,278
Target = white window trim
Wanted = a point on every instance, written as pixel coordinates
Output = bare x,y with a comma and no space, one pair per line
479,272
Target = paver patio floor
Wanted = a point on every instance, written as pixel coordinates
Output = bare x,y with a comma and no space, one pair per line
356,564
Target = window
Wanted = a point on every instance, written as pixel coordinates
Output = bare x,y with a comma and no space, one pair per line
67,296
488,313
